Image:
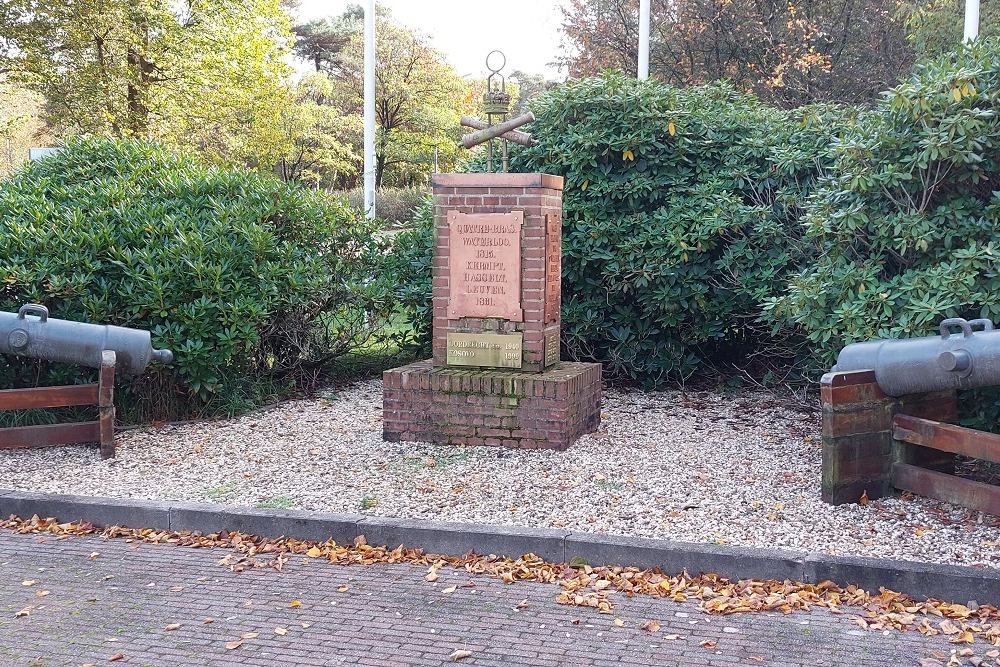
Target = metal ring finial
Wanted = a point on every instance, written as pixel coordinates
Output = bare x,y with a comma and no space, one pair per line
491,68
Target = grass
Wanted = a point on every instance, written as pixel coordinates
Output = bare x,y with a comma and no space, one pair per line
276,503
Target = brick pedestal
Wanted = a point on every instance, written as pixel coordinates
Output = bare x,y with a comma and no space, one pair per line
477,407
495,377
858,448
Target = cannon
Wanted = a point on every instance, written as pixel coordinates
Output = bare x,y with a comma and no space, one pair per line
950,360
30,332
493,131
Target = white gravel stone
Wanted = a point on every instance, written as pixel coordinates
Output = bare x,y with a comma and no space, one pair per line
740,469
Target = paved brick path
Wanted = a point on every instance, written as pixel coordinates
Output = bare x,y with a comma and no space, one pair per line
122,600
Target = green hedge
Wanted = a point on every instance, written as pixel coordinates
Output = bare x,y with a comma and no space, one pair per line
251,282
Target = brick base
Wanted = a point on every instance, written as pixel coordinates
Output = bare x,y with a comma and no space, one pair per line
453,406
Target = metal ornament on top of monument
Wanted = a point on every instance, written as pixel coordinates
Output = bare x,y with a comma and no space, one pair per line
485,260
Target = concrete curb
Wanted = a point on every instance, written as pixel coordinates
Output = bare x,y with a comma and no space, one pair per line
920,580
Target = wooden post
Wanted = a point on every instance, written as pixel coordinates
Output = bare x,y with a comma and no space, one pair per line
106,403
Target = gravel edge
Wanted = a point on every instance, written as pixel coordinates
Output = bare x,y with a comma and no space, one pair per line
952,583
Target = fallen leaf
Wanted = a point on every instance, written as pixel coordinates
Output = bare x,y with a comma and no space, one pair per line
173,626
280,631
757,658
342,589
305,625
431,576
116,657
24,612
618,622
295,603
651,626
28,582
41,594
708,643
450,589
523,604
250,635
863,500
671,637
964,637
314,552
459,654
236,643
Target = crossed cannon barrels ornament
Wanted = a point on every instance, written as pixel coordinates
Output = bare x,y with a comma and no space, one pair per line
496,107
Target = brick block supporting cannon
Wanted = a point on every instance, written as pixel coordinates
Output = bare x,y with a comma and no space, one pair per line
107,348
887,405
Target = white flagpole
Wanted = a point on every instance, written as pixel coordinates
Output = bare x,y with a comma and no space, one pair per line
971,20
369,176
644,39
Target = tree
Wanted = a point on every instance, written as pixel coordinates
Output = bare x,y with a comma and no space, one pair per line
319,137
203,73
321,41
20,127
417,101
936,26
788,53
529,86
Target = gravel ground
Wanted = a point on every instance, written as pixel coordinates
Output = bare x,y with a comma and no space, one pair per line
741,469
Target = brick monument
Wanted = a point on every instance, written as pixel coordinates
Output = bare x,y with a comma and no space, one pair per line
495,377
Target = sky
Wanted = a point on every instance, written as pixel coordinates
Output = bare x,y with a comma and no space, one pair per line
527,31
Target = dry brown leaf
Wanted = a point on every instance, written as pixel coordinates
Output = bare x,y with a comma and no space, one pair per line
24,612
863,500
671,637
523,604
432,576
708,643
250,635
295,603
116,657
28,582
41,594
208,621
459,654
235,644
342,589
618,622
172,626
651,626
314,552
305,625
280,632
757,658
450,589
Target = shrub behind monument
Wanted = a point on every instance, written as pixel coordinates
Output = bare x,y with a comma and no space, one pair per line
251,282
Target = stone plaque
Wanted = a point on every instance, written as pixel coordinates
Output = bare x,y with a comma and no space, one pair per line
484,266
553,267
485,349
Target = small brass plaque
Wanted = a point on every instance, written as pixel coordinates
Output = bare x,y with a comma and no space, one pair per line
485,349
551,348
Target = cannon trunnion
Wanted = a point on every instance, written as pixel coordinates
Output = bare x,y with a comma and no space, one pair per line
964,360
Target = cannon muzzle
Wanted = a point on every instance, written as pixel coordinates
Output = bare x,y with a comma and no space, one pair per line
30,332
964,360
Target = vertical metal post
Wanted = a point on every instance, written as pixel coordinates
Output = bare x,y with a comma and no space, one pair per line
971,20
643,65
369,176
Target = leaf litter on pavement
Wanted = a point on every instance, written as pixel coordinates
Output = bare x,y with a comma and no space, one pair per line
584,585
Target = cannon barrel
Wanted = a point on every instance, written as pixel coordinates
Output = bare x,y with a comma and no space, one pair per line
964,360
514,136
494,131
30,332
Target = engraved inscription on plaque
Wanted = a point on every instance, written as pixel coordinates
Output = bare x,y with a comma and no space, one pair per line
485,349
484,266
553,267
551,348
